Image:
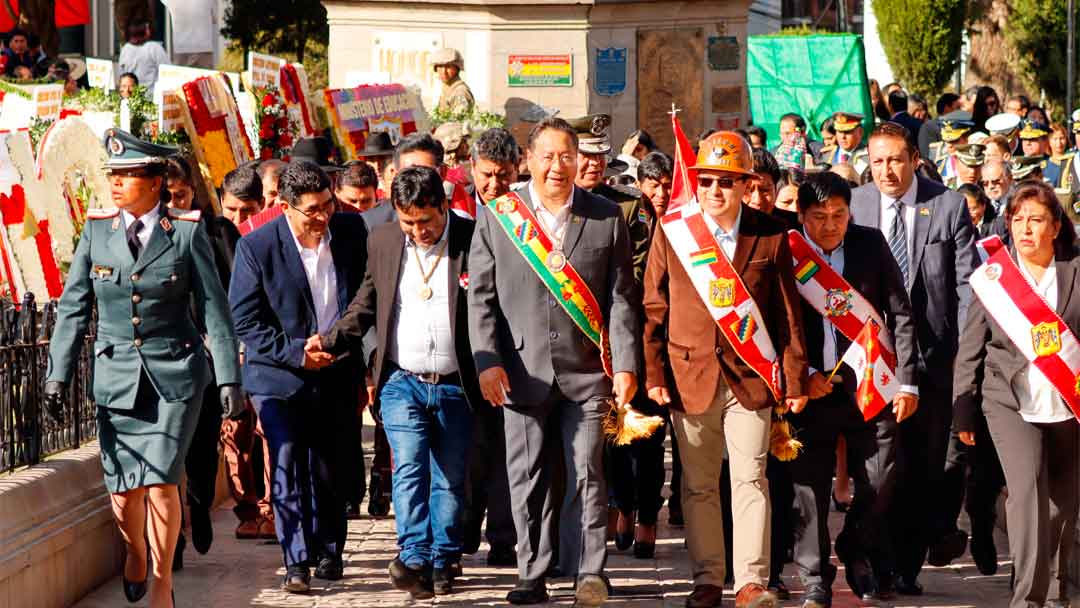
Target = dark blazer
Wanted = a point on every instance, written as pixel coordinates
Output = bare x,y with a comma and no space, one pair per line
515,322
870,269
273,308
697,351
374,303
988,361
943,258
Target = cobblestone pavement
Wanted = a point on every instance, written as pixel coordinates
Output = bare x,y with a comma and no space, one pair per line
248,573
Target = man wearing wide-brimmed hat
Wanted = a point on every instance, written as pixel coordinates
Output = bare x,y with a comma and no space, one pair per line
456,96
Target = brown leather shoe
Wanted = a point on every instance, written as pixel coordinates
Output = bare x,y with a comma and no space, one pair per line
705,596
266,528
753,595
248,529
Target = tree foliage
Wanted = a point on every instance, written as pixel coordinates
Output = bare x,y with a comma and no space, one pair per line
1037,31
276,26
922,40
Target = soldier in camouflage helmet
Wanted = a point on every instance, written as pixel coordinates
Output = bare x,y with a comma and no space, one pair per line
456,96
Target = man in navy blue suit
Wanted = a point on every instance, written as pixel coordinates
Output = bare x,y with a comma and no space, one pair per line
292,278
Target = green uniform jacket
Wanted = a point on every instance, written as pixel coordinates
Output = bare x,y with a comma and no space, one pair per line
637,224
144,311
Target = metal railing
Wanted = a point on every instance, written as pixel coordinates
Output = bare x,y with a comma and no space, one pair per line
27,432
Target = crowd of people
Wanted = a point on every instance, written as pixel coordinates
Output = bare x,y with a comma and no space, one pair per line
497,310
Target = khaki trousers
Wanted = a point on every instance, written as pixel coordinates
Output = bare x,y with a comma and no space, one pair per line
703,440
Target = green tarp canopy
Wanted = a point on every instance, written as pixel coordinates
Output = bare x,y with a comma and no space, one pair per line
812,76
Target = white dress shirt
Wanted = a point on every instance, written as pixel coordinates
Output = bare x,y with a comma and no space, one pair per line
322,280
149,220
1039,400
727,240
888,214
422,340
554,224
829,355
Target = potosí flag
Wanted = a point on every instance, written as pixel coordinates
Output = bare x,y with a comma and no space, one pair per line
877,384
684,182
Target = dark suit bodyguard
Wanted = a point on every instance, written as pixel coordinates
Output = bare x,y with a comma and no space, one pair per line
293,278
846,273
536,346
932,239
144,265
413,296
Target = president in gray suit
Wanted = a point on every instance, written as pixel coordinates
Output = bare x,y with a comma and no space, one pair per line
934,246
534,361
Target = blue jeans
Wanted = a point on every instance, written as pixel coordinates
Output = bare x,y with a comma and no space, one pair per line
429,428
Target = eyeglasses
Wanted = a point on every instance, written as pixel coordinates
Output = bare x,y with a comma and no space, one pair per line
326,209
566,159
985,183
706,182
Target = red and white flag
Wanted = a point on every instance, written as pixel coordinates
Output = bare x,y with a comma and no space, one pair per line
877,383
684,184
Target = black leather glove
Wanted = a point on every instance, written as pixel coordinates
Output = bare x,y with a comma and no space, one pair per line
54,399
233,403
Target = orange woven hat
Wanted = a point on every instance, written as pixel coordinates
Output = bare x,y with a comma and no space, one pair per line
725,151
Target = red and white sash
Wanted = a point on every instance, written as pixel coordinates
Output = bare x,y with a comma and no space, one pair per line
833,297
1032,325
722,290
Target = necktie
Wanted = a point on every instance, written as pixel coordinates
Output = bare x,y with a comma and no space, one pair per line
134,244
898,241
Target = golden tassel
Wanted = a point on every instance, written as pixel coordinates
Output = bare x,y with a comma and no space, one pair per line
624,424
782,444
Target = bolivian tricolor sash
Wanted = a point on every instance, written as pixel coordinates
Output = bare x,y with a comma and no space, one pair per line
554,269
723,292
833,297
1033,327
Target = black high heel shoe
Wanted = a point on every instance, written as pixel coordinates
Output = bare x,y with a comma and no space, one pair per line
133,591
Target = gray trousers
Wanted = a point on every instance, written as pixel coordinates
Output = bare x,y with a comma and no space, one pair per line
539,441
1040,463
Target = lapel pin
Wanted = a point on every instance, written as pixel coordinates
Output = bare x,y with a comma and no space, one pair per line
463,280
577,219
166,225
924,211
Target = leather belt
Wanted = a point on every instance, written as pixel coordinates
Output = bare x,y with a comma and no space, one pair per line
433,377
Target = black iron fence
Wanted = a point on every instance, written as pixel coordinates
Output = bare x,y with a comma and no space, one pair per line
27,432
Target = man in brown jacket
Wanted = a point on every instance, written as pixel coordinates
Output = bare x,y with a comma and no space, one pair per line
725,403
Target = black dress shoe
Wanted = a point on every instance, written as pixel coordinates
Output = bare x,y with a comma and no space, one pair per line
471,544
352,510
644,549
502,556
705,596
454,569
202,529
178,554
441,581
817,596
528,592
624,540
414,580
297,580
860,577
949,547
378,501
779,589
133,590
675,517
907,586
984,552
886,587
330,569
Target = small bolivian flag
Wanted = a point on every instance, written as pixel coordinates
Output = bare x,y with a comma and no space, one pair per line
703,257
806,270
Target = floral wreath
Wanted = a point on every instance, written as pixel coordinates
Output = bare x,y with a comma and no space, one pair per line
276,132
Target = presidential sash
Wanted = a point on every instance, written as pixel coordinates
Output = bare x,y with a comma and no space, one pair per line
1032,326
832,296
554,269
723,292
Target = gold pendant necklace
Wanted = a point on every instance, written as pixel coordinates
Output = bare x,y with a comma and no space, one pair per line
426,292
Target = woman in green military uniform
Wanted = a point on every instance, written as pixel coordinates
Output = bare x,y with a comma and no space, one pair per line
143,265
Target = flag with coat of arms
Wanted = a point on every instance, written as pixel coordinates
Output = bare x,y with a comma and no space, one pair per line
877,381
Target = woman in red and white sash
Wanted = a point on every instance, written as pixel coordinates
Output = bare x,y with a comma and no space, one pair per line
1035,432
